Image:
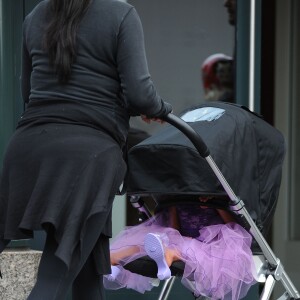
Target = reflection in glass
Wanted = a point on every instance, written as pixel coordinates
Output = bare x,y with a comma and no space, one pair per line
179,37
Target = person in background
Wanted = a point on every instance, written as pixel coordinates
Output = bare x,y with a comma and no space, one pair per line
231,9
217,78
84,74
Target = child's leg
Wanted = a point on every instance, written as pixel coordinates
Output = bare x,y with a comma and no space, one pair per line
171,255
117,255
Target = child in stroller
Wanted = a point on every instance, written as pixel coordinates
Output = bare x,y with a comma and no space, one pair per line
215,250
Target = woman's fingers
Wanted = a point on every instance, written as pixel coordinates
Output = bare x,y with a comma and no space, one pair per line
148,120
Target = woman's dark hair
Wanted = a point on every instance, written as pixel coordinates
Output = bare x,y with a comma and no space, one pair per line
60,36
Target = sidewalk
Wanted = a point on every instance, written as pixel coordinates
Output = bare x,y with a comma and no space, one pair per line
19,270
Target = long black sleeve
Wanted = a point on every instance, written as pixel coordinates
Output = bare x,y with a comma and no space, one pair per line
137,86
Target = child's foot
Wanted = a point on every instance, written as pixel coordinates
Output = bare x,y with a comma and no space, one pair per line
115,270
155,250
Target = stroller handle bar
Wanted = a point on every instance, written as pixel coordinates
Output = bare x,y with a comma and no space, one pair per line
193,136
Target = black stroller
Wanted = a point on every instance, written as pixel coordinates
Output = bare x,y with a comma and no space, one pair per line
241,153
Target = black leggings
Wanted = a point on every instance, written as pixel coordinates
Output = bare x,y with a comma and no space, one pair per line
54,280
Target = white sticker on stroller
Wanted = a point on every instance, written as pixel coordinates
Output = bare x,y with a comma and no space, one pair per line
203,114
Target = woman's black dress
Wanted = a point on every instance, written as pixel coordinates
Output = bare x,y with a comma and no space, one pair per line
59,175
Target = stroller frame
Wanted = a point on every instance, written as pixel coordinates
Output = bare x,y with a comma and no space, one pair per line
269,268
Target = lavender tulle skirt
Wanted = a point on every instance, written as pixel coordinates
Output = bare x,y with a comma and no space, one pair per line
218,264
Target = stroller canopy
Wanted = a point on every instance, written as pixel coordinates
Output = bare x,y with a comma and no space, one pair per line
248,151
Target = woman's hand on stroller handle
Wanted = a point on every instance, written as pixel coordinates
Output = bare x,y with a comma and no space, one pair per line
148,120
189,132
185,128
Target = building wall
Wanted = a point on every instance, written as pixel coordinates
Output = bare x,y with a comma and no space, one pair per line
179,36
